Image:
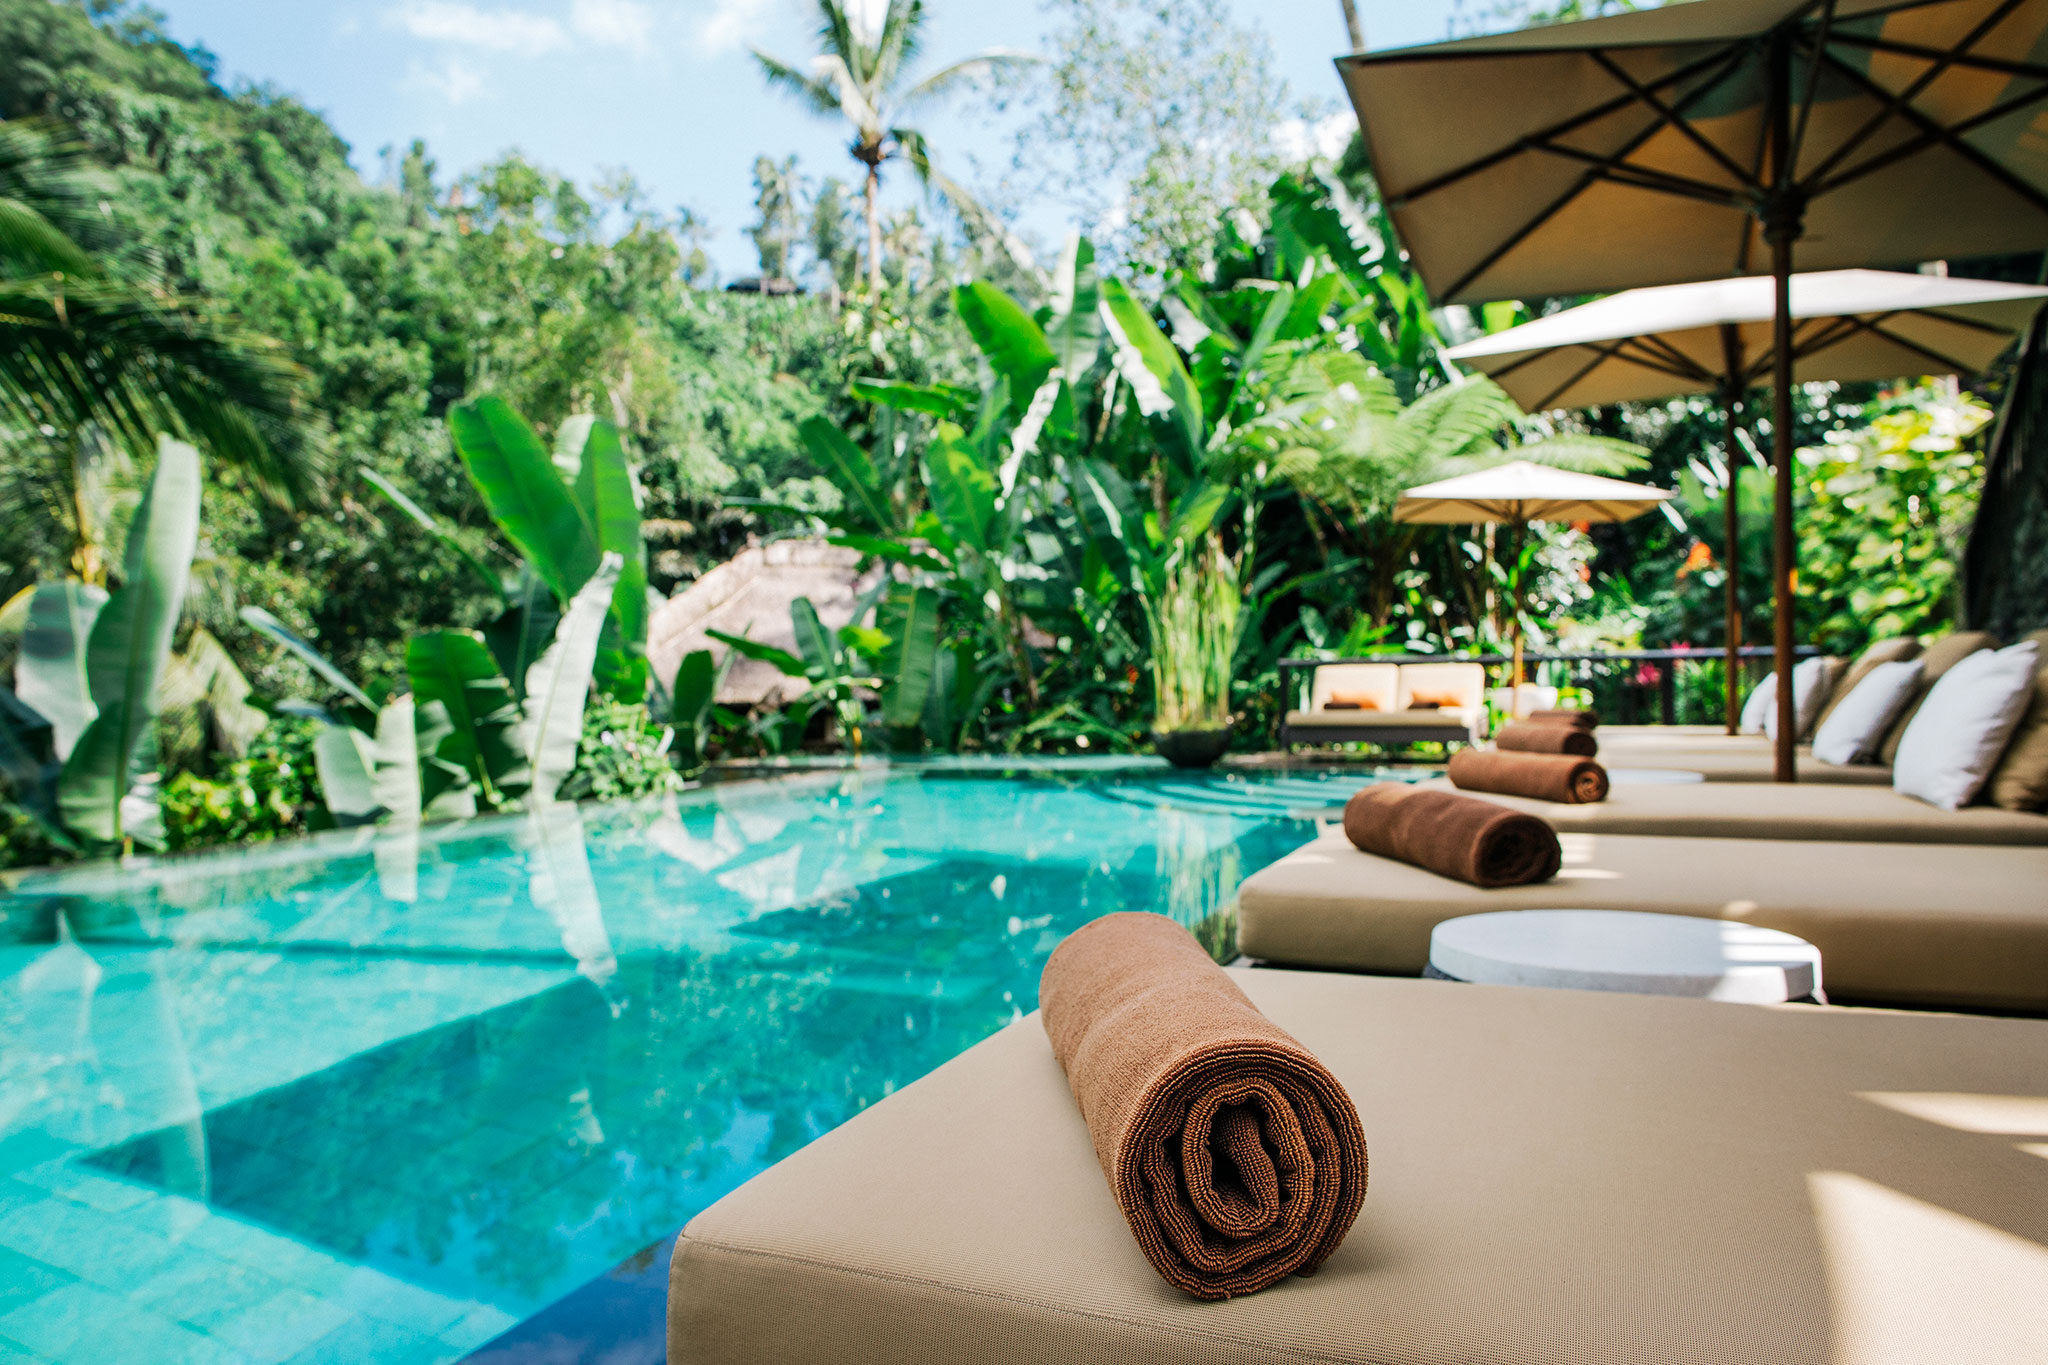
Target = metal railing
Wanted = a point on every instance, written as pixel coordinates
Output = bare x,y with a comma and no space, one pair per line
1622,681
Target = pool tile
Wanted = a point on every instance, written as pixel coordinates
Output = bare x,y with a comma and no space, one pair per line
23,1278
361,1340
76,1322
279,1326
84,1187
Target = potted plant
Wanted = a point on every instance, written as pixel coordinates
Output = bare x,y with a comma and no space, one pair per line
1195,619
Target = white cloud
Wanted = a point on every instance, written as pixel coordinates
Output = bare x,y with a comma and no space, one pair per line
731,24
1299,140
613,23
465,25
455,80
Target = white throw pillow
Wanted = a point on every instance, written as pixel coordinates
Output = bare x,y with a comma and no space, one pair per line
1807,696
1856,726
1763,700
1954,741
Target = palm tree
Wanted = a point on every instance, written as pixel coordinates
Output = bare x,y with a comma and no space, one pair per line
94,349
864,48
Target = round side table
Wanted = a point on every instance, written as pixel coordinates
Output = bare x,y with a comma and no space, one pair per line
1627,950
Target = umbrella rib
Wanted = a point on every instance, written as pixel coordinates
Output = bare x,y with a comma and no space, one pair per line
1932,133
1671,116
1936,68
1599,355
1727,55
1642,177
1557,205
1676,361
1947,364
1975,61
1820,44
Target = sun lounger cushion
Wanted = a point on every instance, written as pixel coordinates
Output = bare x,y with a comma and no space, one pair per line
1558,1178
1969,717
2020,781
1897,924
1727,810
1813,681
1937,659
1851,732
1742,758
1763,699
1894,650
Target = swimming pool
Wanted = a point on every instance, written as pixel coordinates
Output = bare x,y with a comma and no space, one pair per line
393,1095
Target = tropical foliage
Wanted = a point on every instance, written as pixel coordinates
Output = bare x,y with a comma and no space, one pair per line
461,435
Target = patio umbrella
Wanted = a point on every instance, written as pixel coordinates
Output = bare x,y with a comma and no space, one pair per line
1716,337
1516,494
1707,139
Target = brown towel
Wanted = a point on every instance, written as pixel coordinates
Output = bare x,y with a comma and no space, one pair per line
1529,737
1453,836
1546,777
1235,1155
1587,719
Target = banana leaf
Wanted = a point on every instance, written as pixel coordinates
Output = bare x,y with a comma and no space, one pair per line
937,400
691,696
347,771
525,493
910,617
1074,328
431,524
520,634
475,737
256,618
604,488
559,684
850,471
1008,336
963,491
50,674
447,789
125,659
396,755
782,659
813,641
1153,369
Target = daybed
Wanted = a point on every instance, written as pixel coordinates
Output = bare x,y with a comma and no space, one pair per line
1895,923
1390,704
1557,1178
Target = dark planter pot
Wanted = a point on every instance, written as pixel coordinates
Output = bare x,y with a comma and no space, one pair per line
1192,748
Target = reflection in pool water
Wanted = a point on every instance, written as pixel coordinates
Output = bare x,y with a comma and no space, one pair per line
384,1097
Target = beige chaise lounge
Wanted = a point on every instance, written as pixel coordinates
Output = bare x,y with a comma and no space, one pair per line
1800,811
1896,924
1558,1178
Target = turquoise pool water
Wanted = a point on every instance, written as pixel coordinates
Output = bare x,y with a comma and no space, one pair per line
383,1097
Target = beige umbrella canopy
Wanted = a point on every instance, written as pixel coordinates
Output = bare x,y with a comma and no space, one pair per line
1716,337
1709,139
1516,494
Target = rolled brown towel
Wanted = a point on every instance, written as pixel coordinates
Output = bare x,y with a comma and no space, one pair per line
1530,737
1453,836
1235,1155
1545,777
1586,719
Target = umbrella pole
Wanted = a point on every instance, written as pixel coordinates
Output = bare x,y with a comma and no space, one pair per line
1782,225
1515,678
1731,554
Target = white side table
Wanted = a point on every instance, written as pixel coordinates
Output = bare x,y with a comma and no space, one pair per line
1627,950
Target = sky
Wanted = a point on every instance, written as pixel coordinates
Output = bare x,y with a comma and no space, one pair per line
663,88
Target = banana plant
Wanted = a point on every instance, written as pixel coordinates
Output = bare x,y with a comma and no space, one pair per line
81,727
460,740
832,665
563,511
